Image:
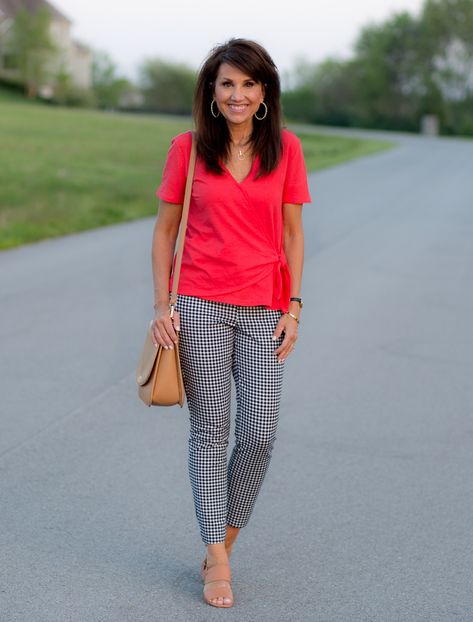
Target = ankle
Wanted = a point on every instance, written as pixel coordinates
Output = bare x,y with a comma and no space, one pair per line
217,554
232,534
229,546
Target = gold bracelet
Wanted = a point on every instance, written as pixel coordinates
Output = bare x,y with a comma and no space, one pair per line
293,316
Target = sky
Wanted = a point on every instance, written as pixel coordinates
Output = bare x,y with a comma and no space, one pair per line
185,30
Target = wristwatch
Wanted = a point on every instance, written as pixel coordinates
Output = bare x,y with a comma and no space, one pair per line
299,300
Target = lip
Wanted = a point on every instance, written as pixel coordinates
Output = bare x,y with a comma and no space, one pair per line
237,108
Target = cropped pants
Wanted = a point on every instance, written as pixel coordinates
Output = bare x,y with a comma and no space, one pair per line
217,341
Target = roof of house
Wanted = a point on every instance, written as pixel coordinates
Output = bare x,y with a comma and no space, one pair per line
9,8
81,46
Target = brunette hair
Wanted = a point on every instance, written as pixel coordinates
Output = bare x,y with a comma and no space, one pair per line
213,137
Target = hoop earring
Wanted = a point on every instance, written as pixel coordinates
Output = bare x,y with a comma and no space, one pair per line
215,116
265,112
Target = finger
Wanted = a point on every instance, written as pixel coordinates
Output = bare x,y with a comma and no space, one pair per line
283,355
288,343
176,321
165,334
157,339
153,334
285,348
170,334
278,330
165,326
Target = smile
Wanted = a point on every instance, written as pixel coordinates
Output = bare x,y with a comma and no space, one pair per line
239,108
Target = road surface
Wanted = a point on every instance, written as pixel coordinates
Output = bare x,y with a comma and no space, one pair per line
367,510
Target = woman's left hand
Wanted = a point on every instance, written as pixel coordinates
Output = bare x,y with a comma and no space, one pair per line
289,327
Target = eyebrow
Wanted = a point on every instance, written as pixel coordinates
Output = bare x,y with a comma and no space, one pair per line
245,80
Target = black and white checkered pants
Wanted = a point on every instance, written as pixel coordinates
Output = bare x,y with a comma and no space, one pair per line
218,340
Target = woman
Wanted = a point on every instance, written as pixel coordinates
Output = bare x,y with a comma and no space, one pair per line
239,291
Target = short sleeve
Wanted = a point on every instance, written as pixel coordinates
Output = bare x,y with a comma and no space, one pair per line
173,182
296,187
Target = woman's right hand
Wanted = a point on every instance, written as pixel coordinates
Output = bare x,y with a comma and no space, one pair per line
164,328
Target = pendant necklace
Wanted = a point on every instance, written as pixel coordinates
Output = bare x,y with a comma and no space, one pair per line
241,154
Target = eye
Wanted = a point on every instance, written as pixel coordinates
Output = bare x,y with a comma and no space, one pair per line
226,83
250,83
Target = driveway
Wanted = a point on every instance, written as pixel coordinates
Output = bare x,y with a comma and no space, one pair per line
366,513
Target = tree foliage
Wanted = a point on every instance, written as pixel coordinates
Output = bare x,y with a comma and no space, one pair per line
32,47
167,87
401,69
108,86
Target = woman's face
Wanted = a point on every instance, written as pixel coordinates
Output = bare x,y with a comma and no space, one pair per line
237,95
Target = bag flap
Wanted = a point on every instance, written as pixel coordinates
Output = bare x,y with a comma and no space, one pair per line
147,360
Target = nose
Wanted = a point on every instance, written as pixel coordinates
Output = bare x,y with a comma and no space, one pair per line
236,93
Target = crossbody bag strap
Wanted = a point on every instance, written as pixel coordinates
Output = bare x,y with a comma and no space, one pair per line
183,225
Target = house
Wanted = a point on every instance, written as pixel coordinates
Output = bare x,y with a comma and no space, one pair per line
73,58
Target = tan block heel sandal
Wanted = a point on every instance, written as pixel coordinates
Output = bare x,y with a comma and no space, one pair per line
217,584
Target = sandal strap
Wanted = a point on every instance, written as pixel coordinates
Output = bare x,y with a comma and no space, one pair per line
219,572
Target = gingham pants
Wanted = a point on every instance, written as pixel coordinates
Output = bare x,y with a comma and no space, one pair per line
218,340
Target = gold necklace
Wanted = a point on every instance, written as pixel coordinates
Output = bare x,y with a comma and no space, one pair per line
241,154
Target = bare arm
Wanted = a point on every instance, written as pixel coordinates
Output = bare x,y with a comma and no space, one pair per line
293,243
164,241
294,247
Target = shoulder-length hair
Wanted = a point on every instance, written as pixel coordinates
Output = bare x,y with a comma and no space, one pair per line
213,137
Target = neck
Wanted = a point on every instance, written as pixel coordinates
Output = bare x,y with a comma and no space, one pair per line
240,133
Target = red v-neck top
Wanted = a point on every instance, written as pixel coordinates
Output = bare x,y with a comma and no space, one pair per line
233,251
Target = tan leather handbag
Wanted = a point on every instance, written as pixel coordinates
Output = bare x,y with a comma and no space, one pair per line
159,374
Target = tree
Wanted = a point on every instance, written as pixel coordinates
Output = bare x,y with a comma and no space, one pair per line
33,47
336,92
299,104
108,86
448,26
403,68
323,93
167,87
390,81
62,81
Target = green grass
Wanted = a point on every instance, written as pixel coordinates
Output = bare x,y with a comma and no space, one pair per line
322,151
66,170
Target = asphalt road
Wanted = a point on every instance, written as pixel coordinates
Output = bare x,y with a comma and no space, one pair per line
367,510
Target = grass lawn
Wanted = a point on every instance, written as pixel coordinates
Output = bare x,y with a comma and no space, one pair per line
322,151
64,170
